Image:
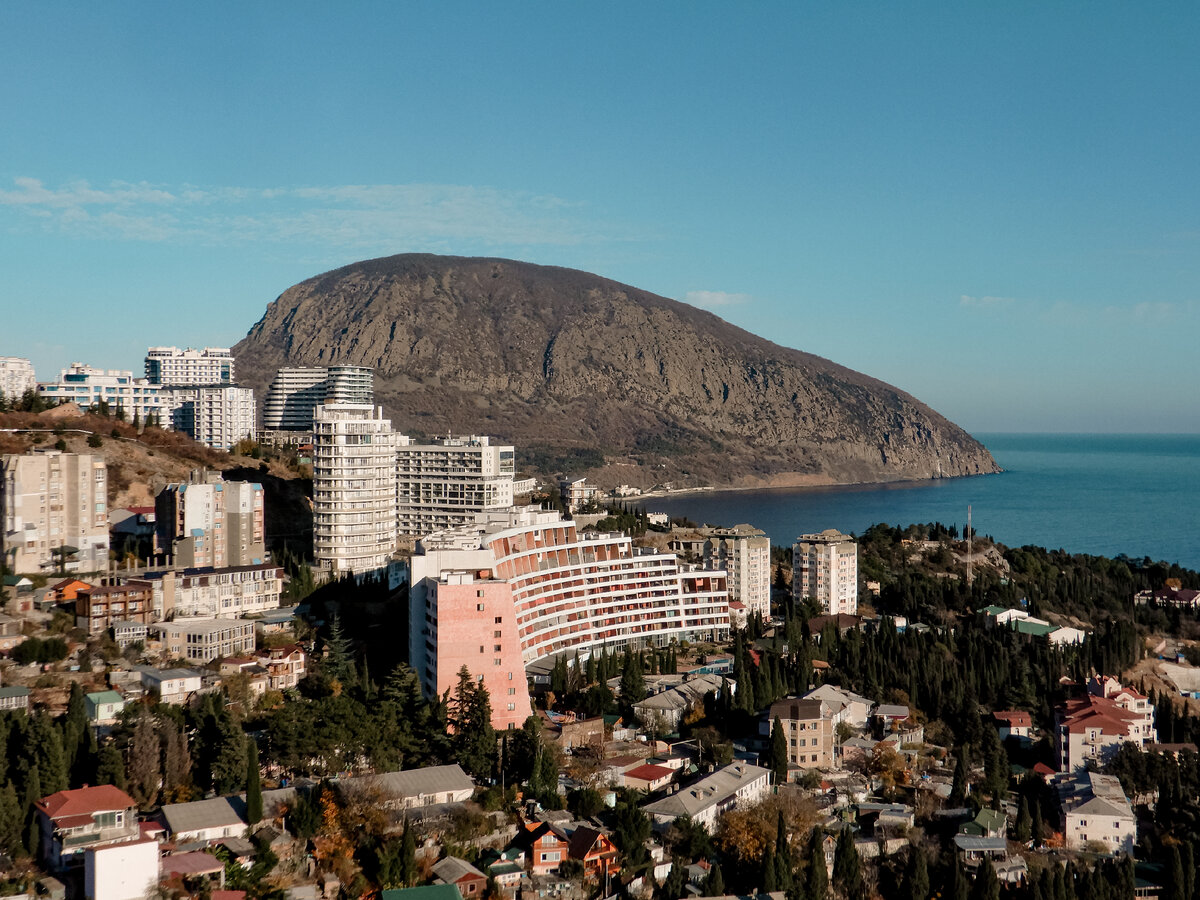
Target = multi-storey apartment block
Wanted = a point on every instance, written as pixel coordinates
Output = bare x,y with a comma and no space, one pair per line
214,416
444,484
1095,810
808,730
16,377
229,592
204,640
295,393
172,367
98,608
521,585
208,521
54,509
354,488
136,398
745,553
1092,728
825,568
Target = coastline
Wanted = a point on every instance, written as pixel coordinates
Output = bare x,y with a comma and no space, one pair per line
815,483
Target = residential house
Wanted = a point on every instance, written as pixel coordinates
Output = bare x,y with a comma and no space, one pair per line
121,871
423,892
205,820
545,846
1013,723
595,851
1095,810
844,706
649,778
737,784
70,822
976,849
10,633
808,730
506,866
97,608
415,788
14,698
664,711
469,880
205,640
1094,727
987,823
126,632
285,666
103,707
172,686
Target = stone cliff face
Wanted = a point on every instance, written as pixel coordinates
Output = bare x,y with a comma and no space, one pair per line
556,359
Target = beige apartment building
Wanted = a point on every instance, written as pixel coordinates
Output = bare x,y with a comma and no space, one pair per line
825,568
354,488
210,522
744,552
54,509
808,728
204,640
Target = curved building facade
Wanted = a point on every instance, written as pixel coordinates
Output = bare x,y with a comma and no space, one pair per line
523,585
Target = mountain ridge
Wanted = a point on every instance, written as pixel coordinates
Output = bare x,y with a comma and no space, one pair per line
554,359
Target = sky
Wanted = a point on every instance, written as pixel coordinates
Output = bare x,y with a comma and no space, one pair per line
994,207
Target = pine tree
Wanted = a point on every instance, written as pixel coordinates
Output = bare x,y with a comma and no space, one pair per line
45,744
110,767
779,752
959,888
847,868
474,739
176,762
143,763
10,822
254,799
339,660
960,787
783,854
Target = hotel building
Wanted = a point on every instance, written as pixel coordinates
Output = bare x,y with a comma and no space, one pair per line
444,484
745,553
54,504
825,568
218,416
139,399
295,393
354,488
172,367
211,522
522,584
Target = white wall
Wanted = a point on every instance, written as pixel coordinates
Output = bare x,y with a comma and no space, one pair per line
121,871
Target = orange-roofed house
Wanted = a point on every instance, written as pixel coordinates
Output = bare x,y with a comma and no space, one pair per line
68,589
1013,723
71,822
597,853
1095,726
546,847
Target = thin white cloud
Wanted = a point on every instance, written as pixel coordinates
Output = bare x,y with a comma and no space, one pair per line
365,216
714,299
984,302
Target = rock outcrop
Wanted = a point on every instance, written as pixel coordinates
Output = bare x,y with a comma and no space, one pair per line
556,359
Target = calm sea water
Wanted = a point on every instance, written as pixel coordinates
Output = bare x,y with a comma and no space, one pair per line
1086,493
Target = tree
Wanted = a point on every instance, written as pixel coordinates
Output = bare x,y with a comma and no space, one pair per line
94,440
10,822
779,752
847,869
254,800
960,786
46,748
176,762
986,887
1024,826
474,739
633,682
714,884
339,661
673,887
916,878
110,767
817,881
408,855
143,762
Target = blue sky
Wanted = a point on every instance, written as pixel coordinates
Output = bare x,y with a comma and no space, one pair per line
992,206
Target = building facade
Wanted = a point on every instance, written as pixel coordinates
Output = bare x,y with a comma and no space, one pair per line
71,822
55,512
745,553
296,392
825,568
16,377
208,521
172,367
444,484
808,730
1092,728
522,585
1095,810
99,608
217,416
205,640
137,399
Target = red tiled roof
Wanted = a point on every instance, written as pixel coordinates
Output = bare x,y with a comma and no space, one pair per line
85,801
1017,718
650,772
583,841
196,863
1043,769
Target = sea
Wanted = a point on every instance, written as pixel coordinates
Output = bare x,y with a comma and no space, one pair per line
1100,494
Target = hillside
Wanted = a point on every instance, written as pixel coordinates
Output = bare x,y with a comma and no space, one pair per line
556,360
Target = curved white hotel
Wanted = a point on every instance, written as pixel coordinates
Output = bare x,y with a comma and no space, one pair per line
523,584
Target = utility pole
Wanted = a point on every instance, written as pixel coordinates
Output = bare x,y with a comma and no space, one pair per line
969,537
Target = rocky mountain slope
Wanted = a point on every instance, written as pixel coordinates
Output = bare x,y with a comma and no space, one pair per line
556,360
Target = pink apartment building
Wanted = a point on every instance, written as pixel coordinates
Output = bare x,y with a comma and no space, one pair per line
521,585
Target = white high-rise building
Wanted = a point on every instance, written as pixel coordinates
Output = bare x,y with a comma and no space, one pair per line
744,552
444,484
354,488
55,510
16,377
172,367
825,567
296,392
136,398
215,416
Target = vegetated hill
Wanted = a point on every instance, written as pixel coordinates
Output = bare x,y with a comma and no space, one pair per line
556,360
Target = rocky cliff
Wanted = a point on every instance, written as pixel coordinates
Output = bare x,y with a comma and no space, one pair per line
557,360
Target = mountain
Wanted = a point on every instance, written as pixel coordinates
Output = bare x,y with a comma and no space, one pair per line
563,363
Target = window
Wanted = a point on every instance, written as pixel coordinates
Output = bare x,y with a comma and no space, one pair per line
482,648
497,662
512,692
496,634
496,648
479,607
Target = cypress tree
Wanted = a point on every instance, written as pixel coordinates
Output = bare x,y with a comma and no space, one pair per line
917,877
10,822
779,753
847,869
817,881
714,884
986,886
254,800
408,855
768,870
